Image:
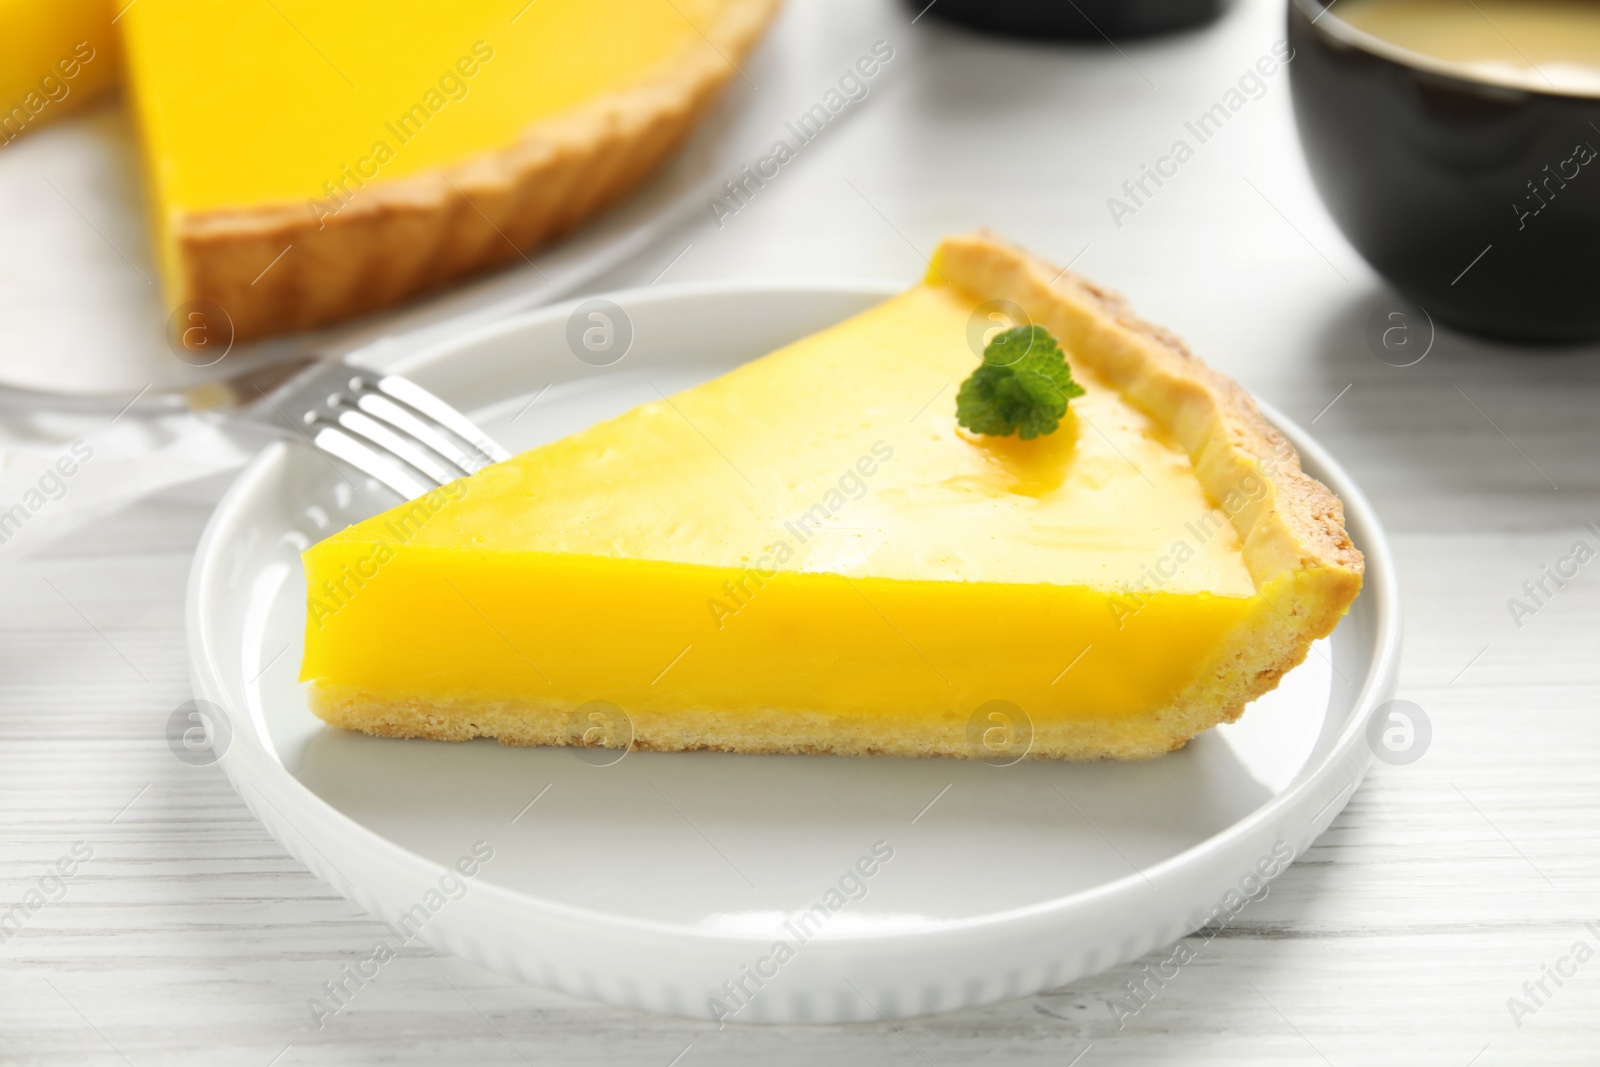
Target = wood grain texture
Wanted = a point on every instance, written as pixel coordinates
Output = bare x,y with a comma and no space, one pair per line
192,938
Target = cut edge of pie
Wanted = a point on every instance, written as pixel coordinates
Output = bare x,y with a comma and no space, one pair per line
1291,534
406,235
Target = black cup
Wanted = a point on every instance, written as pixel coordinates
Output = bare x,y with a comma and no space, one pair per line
1480,201
1075,19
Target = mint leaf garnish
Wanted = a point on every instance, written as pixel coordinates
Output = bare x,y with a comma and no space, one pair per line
1022,387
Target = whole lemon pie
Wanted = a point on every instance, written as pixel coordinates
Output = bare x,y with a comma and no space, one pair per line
814,553
310,161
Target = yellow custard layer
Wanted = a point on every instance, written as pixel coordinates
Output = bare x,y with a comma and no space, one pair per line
813,531
374,90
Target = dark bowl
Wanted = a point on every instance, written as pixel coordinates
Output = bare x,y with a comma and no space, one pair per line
1084,19
1479,201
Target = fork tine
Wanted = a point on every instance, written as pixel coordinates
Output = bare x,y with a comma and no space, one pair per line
364,425
383,409
385,426
337,443
412,394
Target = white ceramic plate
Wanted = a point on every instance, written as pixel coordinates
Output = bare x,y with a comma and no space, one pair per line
666,881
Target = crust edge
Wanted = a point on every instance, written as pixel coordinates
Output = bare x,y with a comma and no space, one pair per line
757,731
1291,532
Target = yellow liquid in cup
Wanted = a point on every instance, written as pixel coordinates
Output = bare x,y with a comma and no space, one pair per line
1532,44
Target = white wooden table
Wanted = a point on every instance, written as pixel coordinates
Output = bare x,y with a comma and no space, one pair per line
191,937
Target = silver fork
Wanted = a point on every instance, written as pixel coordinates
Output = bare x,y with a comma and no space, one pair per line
384,425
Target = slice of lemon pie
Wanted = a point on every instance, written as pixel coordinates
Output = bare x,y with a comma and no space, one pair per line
310,161
816,552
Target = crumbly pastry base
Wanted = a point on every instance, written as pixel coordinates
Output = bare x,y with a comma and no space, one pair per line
1292,538
760,731
405,236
